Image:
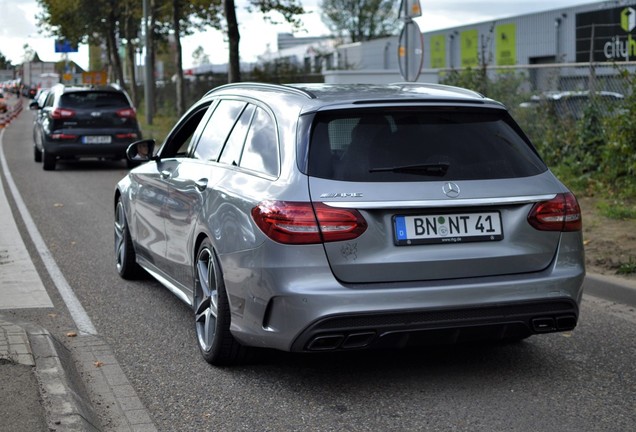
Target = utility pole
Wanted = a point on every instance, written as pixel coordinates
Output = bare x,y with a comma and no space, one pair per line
149,73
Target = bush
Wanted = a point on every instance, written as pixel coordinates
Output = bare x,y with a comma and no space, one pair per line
594,153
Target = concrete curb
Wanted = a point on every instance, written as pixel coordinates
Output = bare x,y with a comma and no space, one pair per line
67,403
65,400
611,288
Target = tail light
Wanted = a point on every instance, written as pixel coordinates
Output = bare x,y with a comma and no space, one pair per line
126,136
62,113
63,136
303,223
126,113
562,213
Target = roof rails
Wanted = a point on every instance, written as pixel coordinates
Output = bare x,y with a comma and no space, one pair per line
265,86
461,90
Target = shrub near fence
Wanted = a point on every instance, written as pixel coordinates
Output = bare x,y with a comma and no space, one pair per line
579,117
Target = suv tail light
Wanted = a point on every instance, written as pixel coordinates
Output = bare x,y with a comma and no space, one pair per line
126,136
562,213
126,113
303,223
63,136
62,113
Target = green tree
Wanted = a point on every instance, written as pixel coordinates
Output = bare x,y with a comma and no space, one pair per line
86,22
288,9
200,57
4,62
360,20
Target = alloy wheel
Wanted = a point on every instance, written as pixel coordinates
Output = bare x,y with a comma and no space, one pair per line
206,299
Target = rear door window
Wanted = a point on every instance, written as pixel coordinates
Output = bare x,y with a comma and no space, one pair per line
231,154
217,129
419,145
261,145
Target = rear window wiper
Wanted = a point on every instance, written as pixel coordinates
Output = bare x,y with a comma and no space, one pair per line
436,169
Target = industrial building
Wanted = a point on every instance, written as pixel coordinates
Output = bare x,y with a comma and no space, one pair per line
600,33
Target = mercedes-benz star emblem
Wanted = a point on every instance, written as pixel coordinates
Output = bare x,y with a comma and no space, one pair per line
451,190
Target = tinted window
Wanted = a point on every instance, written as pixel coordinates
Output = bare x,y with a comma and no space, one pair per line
217,129
90,100
420,145
232,151
261,147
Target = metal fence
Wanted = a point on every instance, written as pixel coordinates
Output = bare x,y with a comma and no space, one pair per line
567,89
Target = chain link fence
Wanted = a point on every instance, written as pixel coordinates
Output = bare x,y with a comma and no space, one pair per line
565,89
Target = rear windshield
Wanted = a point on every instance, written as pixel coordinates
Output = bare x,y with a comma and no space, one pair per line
415,145
94,99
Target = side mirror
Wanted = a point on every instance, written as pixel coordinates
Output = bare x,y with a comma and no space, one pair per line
142,151
33,106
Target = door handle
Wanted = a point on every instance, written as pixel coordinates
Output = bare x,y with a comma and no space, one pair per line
201,184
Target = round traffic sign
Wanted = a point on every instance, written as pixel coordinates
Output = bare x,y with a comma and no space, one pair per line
410,51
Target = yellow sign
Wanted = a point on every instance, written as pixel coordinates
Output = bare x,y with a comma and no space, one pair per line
438,52
94,78
506,45
469,43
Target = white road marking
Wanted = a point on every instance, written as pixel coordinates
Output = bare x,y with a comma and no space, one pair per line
79,315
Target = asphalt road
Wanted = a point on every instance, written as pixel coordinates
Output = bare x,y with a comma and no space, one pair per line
579,381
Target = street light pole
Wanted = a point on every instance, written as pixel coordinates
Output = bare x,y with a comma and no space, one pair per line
148,87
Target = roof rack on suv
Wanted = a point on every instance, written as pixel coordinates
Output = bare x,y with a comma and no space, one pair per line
266,86
459,90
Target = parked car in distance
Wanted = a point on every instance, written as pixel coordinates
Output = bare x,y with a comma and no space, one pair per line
572,104
313,217
3,103
80,122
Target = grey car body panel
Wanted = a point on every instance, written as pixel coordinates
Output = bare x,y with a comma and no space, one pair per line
277,291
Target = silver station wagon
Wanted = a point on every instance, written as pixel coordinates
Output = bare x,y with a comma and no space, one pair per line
311,218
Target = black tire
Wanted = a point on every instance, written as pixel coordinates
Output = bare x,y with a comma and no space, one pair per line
48,161
212,312
37,154
125,258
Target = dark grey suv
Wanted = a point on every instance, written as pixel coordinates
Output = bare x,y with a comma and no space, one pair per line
78,122
315,218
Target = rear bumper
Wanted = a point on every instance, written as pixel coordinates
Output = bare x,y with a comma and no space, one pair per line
294,307
438,326
71,149
330,316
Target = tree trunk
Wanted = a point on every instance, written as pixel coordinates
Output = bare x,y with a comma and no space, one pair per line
152,52
130,31
115,60
130,61
180,87
234,70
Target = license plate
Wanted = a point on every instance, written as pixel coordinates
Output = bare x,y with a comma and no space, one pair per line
447,228
98,139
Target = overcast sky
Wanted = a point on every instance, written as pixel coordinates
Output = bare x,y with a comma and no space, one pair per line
18,26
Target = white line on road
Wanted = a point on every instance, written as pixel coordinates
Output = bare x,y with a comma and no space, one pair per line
79,315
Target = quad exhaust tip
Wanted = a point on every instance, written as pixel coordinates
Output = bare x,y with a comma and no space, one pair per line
552,324
341,341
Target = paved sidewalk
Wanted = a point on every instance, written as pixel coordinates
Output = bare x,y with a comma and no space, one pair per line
55,390
43,385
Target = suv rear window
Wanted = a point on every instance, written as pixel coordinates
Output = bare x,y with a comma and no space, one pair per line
419,145
93,99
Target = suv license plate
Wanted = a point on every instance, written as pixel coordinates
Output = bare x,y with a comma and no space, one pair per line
99,139
447,228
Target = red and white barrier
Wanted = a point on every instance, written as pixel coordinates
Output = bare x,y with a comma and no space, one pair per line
14,108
